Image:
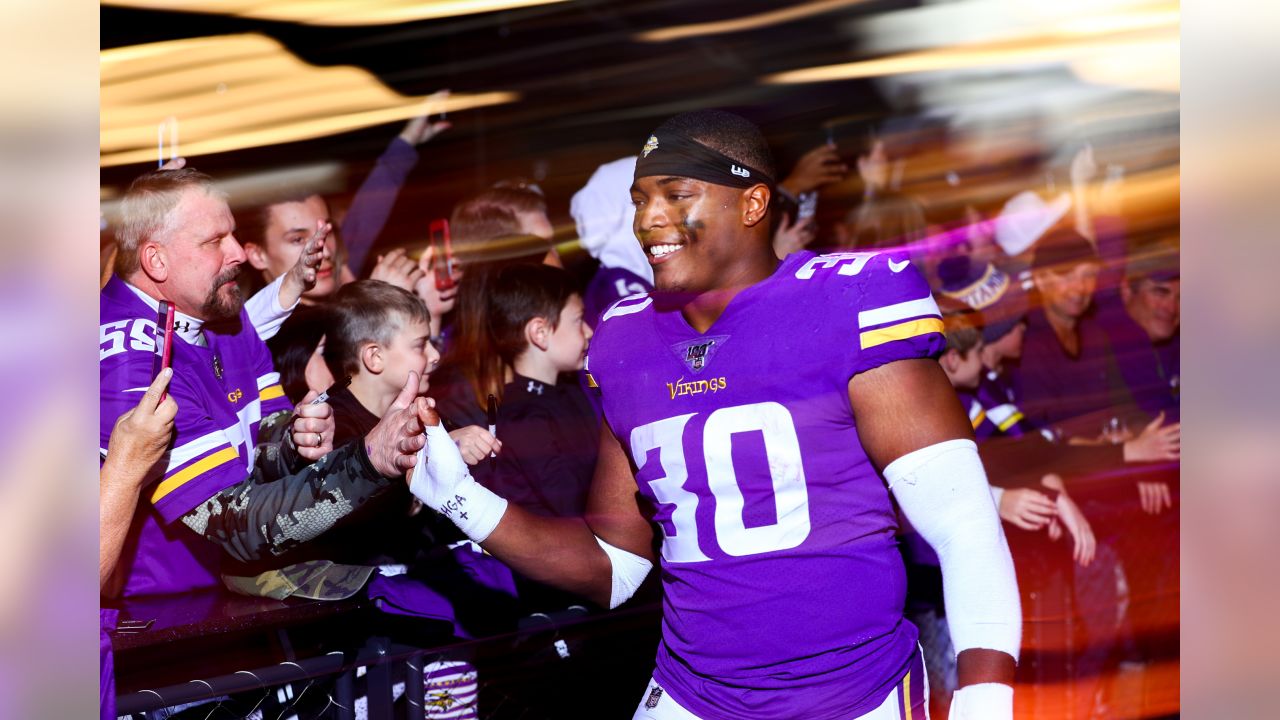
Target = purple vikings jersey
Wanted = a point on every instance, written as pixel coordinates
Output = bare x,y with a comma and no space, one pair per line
991,409
783,585
222,391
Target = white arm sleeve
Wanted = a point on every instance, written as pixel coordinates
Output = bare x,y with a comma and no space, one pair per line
265,311
943,491
629,570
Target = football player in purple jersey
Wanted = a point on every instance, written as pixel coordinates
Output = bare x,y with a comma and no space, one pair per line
765,410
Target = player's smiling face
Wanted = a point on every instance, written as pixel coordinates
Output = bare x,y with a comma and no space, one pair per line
689,230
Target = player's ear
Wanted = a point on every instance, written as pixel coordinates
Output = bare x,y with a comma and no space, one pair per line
371,357
154,261
755,204
538,332
257,256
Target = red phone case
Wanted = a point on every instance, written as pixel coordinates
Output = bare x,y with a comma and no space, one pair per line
443,254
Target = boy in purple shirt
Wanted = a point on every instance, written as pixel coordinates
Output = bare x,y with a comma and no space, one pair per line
760,408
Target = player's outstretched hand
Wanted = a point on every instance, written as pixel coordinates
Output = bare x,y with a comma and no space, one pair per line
142,434
313,428
441,482
398,269
302,276
1026,508
475,443
1157,442
394,443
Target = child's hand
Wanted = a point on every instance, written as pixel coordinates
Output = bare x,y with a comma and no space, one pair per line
475,443
1026,508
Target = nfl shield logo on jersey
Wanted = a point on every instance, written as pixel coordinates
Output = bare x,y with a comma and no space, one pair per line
654,696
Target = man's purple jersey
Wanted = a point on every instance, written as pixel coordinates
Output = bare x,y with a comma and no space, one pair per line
222,391
783,585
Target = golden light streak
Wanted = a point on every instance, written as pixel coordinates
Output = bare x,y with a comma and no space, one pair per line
337,12
243,91
1102,39
750,22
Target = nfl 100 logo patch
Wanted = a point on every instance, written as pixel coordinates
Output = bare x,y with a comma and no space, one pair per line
697,354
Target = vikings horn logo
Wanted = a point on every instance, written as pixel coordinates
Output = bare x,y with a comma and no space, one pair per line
650,145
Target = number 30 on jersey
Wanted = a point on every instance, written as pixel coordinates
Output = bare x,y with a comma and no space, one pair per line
786,472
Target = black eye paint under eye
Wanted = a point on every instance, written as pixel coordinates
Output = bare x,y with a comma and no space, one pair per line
692,226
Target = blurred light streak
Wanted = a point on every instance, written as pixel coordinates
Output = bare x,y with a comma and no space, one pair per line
1103,45
242,91
247,189
337,12
750,22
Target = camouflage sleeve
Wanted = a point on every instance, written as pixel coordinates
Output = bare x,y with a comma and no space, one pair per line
275,455
263,517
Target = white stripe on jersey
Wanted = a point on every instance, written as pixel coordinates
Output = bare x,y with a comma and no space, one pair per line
620,309
899,311
1000,413
975,410
233,435
268,379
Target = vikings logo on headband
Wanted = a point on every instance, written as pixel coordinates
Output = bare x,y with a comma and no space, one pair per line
682,157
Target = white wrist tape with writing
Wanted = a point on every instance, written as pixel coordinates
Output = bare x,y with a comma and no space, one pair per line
943,491
629,570
443,483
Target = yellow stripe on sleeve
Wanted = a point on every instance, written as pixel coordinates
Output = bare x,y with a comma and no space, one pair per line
180,478
271,392
901,331
977,419
591,381
1008,423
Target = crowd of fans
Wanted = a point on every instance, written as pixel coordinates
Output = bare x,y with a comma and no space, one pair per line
1062,345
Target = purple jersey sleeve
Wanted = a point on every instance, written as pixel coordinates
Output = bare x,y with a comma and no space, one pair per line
891,310
203,459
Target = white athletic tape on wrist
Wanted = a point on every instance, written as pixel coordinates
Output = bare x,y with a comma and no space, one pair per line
943,491
629,570
984,701
443,483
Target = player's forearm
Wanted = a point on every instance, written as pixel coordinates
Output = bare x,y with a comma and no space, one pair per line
556,551
262,517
